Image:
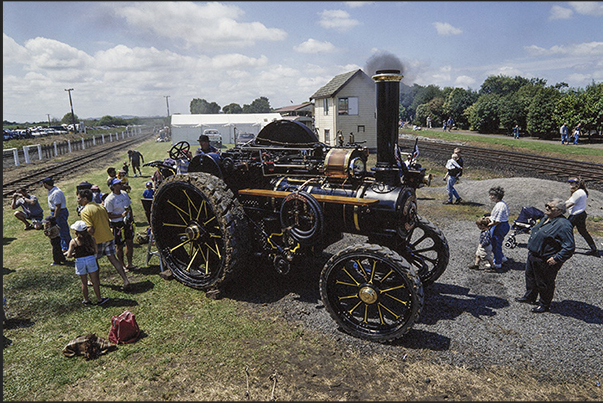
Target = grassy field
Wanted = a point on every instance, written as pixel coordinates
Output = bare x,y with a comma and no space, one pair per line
193,347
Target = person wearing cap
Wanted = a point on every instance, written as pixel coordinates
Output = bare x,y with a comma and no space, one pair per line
31,209
119,209
205,147
123,175
51,230
97,195
58,208
148,192
97,220
576,206
83,248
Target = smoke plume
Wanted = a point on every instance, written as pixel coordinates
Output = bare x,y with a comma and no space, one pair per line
383,60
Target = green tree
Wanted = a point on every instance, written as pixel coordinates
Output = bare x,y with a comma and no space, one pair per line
483,114
259,105
424,95
503,85
201,106
456,102
539,121
232,108
68,120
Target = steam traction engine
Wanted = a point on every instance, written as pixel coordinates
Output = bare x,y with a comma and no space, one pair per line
284,195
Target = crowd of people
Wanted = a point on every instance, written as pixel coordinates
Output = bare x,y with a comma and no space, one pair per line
551,241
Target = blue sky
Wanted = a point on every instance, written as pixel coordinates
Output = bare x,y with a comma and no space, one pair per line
123,58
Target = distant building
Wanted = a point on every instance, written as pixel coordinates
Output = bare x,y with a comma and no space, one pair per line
346,103
300,113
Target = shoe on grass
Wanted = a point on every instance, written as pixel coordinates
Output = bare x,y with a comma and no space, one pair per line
103,301
458,201
86,303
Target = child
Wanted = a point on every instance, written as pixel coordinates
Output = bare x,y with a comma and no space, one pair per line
123,175
97,195
83,248
148,192
51,230
484,249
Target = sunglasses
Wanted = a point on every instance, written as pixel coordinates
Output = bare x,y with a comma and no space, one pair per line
549,206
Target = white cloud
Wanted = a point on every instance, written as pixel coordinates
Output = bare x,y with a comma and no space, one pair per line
592,8
12,51
356,4
560,13
314,46
337,19
445,29
464,81
209,25
588,49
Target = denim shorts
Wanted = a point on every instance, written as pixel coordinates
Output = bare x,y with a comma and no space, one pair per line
105,248
85,265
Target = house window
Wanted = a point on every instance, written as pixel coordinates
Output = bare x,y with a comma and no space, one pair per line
361,129
327,136
347,106
326,106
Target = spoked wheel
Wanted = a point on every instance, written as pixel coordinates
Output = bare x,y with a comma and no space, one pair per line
425,248
200,229
371,292
180,150
302,216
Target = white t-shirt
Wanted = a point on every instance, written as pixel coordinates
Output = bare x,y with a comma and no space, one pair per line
579,200
500,212
117,204
56,196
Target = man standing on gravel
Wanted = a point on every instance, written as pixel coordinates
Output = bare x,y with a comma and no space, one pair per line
551,243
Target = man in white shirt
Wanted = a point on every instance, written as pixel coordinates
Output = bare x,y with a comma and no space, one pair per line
118,206
58,208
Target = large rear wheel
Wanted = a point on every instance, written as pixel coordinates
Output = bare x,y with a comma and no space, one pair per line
371,292
200,229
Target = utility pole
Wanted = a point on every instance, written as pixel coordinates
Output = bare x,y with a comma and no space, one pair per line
71,104
168,105
48,114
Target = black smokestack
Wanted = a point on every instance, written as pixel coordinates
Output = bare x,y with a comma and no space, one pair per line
388,100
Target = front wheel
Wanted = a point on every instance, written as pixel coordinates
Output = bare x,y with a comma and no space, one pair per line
371,292
200,229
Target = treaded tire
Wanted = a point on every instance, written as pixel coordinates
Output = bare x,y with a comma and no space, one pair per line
371,292
200,229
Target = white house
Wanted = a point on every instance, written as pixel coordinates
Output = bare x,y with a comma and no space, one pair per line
347,103
190,127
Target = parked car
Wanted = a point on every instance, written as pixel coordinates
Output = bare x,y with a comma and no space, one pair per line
215,138
244,137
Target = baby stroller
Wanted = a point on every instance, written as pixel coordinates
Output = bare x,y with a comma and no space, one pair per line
528,217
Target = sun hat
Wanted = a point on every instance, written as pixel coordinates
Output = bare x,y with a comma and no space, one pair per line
115,181
79,226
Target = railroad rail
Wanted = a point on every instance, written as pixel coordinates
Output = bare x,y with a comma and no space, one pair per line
517,162
67,167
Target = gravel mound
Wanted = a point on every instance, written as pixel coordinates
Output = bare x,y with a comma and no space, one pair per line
470,318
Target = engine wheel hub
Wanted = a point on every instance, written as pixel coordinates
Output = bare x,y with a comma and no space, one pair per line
368,295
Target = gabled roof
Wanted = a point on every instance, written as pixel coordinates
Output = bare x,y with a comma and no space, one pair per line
333,86
293,107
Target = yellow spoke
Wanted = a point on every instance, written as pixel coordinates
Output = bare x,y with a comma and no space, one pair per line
405,303
217,249
389,310
365,312
177,208
190,203
349,296
178,246
208,221
393,288
354,308
380,314
201,207
167,224
353,279
343,283
373,272
188,268
217,252
390,272
361,268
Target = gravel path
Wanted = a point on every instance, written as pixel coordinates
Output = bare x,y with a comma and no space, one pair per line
470,318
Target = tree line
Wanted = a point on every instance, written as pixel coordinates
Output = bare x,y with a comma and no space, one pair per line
201,106
503,102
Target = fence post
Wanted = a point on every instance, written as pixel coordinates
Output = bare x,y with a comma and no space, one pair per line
40,152
69,145
56,152
93,140
26,154
83,145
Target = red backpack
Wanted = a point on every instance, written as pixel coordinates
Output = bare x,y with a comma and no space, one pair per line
124,328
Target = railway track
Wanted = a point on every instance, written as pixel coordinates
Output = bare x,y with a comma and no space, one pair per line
67,167
517,162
